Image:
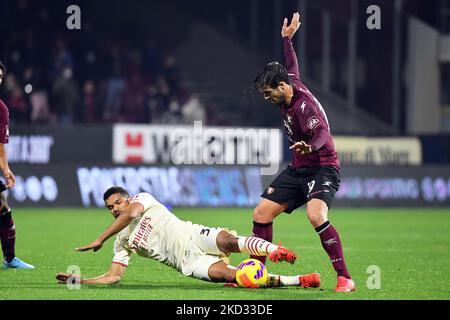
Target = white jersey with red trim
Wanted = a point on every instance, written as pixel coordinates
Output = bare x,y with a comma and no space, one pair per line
158,234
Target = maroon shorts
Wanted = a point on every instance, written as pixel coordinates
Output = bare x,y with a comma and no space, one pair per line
296,186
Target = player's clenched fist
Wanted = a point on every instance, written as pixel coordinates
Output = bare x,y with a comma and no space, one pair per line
10,178
301,147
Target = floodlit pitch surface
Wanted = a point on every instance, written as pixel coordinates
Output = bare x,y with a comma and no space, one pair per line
410,247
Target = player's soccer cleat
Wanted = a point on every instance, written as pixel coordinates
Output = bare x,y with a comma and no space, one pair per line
282,254
345,285
310,280
16,263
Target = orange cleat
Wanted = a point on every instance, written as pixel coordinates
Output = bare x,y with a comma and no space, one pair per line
282,254
345,285
310,280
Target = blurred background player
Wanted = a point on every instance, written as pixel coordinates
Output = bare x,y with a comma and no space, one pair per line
7,227
313,177
146,227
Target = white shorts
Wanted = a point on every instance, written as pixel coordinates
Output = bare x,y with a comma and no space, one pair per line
201,252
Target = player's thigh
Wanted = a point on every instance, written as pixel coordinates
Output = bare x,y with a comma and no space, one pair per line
3,203
321,186
267,210
321,183
284,194
205,239
197,264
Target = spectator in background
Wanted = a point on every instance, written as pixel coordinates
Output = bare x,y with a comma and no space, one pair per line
62,59
104,86
18,106
193,110
40,109
164,91
171,72
152,58
154,103
114,84
11,83
133,100
89,103
173,113
65,96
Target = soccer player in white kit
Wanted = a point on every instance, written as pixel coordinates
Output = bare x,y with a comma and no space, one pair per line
146,227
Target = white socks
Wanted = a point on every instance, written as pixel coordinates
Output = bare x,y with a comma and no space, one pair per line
275,280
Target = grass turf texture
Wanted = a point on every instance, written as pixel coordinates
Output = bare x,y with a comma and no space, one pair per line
411,248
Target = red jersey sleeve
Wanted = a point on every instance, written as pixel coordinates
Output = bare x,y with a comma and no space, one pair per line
291,59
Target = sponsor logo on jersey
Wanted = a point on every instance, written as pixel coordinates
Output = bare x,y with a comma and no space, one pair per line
270,190
141,238
303,106
312,122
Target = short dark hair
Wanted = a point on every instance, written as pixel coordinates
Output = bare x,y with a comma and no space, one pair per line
271,75
113,190
2,67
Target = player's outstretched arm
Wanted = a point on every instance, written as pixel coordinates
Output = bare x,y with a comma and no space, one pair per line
114,275
133,211
287,32
291,29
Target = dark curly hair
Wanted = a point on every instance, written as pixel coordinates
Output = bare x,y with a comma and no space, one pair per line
113,190
271,75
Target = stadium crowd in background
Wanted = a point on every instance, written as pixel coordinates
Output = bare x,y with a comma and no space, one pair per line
114,79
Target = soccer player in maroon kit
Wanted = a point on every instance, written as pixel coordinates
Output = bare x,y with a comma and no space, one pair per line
313,177
7,227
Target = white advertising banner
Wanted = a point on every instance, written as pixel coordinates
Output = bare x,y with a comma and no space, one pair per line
189,145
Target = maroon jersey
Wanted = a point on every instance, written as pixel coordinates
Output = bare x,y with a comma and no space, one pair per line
305,120
4,123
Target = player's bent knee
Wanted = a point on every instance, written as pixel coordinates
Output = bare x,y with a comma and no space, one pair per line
227,242
219,272
316,221
317,217
263,215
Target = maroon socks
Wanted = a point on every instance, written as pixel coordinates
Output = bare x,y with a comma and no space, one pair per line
328,236
7,235
332,245
263,231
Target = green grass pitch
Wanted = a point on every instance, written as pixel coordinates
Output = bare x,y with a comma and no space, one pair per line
411,248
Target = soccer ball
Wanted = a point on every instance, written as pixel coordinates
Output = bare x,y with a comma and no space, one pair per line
251,273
